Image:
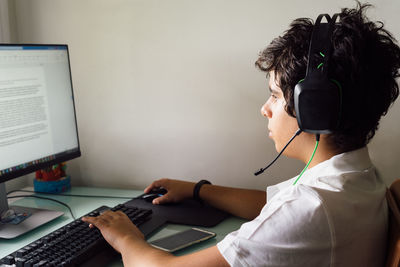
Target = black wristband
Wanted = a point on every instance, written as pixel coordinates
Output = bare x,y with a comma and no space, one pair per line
196,189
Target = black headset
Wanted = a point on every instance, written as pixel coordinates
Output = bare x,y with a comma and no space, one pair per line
318,98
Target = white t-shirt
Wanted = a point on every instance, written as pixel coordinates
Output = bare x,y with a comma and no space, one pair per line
336,215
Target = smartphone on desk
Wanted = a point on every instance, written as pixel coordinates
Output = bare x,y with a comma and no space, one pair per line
182,239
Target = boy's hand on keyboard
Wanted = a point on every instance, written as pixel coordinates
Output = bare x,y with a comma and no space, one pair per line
115,227
177,190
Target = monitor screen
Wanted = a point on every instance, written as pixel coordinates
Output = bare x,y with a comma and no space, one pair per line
37,115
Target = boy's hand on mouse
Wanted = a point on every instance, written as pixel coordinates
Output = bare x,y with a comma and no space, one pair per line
115,227
177,190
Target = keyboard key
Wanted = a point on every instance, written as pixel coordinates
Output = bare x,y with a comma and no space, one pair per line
22,252
41,264
8,260
20,262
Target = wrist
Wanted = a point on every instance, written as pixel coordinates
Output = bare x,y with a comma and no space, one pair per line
197,188
129,242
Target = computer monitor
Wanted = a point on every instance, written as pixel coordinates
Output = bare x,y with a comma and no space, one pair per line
38,126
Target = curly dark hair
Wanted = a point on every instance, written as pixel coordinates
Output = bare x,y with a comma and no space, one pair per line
365,60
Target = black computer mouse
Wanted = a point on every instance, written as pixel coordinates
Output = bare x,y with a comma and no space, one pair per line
154,193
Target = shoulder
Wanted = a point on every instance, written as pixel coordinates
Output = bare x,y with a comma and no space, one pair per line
292,227
293,215
299,204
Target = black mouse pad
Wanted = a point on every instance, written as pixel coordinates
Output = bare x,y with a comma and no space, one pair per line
189,212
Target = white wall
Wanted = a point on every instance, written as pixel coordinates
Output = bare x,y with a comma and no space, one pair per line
169,88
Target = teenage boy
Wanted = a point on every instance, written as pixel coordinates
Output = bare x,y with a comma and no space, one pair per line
336,215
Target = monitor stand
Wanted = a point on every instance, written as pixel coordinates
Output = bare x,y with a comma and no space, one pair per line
36,218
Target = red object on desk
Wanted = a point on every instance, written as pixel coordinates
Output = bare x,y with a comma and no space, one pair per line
51,174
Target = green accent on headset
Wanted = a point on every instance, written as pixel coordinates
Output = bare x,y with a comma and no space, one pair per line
320,64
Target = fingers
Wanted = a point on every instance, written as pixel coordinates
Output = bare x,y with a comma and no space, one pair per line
157,184
104,219
151,186
161,200
93,221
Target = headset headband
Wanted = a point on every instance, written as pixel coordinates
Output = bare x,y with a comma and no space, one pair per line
321,43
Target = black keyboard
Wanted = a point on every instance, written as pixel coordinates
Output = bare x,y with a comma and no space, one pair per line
71,244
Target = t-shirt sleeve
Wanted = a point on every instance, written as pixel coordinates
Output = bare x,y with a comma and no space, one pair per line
292,230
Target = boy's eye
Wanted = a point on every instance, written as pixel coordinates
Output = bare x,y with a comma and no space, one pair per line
273,97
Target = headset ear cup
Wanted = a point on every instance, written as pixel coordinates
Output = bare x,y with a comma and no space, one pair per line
317,102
